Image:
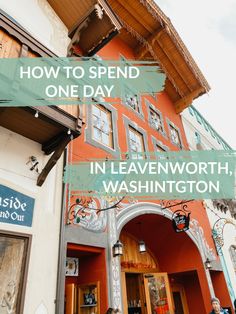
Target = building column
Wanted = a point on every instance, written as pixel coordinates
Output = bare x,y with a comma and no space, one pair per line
206,287
114,263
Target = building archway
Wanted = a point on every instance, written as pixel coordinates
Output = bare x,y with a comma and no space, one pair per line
144,208
182,255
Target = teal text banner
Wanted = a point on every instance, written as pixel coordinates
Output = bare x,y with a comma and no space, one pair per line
169,175
62,81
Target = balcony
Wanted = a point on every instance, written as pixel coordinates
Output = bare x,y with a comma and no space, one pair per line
91,24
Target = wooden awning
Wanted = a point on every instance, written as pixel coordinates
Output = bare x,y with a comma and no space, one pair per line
147,30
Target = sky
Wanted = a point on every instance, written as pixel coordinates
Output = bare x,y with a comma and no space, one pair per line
208,29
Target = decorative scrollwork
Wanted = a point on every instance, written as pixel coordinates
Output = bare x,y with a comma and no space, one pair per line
86,204
172,203
181,216
218,233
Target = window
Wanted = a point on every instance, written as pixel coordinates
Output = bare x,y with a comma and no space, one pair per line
218,140
206,126
191,111
232,252
197,138
174,136
199,120
13,252
212,132
102,125
156,120
160,148
136,143
132,101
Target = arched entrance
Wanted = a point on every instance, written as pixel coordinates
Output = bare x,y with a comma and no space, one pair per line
173,262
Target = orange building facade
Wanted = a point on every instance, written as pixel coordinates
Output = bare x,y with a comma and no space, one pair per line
174,262
170,274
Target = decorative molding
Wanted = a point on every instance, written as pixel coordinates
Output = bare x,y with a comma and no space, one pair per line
86,214
115,271
218,232
204,247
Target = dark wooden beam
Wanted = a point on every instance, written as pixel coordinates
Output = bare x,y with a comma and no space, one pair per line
2,109
186,101
57,115
53,160
51,145
24,51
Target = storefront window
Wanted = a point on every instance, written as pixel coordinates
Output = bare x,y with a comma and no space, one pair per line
12,266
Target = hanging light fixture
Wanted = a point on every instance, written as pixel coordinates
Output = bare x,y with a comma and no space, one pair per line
141,243
208,264
117,249
142,246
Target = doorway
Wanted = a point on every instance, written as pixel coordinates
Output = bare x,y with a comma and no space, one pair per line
179,299
146,293
135,300
86,280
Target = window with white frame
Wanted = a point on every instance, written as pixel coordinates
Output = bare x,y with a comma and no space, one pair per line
175,136
131,99
156,120
232,252
102,125
136,143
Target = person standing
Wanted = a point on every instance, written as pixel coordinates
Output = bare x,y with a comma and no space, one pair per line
216,308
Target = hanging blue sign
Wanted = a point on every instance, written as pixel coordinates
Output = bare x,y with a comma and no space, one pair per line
15,208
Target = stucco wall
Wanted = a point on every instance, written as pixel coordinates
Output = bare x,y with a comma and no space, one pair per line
40,20
14,173
192,125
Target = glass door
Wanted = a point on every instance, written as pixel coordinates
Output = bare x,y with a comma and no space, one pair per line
158,296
